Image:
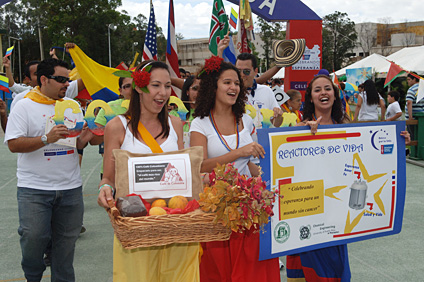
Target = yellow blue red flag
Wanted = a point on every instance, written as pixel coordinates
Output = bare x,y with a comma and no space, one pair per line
4,84
99,80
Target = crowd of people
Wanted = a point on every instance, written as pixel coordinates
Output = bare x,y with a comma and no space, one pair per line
217,120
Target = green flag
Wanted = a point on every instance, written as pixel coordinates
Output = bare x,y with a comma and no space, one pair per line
219,26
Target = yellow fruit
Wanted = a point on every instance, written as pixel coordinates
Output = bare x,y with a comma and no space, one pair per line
177,202
159,203
157,211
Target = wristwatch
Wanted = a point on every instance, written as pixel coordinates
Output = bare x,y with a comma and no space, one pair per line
44,139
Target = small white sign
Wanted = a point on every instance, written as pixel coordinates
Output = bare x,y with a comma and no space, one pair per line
161,176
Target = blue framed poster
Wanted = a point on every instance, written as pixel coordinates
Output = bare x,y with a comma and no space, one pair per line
344,184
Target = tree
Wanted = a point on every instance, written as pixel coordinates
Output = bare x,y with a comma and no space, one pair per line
384,35
367,37
338,38
269,32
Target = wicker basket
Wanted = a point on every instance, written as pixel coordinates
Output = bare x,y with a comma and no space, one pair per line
159,230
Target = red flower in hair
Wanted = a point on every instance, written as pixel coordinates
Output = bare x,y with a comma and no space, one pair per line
212,64
141,78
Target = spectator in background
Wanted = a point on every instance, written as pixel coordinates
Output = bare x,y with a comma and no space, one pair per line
412,106
3,114
183,73
393,110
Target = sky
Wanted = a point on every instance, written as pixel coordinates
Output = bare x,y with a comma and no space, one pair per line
192,17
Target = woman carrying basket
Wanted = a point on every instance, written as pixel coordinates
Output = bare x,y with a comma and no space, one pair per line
224,131
147,116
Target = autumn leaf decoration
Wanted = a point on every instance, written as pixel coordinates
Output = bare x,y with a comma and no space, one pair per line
240,203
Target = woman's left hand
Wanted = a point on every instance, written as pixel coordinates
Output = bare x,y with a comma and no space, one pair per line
313,124
407,137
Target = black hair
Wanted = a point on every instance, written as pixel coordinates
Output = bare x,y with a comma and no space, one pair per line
27,66
133,113
182,70
394,94
411,76
46,68
184,96
121,81
248,56
373,98
337,112
205,100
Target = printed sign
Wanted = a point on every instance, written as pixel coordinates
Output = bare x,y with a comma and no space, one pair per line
344,184
160,177
311,59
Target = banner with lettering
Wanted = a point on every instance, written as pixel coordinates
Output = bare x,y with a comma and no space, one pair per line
344,184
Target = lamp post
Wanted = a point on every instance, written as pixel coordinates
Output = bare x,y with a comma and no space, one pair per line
134,44
110,27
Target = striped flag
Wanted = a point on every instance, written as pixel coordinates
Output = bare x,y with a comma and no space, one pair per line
233,18
171,46
9,51
219,26
150,43
4,84
229,54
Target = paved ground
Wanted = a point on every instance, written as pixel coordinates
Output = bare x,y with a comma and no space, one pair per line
392,258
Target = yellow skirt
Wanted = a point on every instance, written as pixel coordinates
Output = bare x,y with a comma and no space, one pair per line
174,262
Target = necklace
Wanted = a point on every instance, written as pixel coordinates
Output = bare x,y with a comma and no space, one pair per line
221,138
315,118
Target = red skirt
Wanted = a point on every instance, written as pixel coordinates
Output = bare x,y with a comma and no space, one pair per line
237,260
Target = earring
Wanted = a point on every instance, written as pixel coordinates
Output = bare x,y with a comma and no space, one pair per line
290,108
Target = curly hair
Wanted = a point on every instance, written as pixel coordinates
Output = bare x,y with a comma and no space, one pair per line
205,101
133,113
337,112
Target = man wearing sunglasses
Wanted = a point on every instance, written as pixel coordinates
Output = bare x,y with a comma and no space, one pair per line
50,202
31,74
259,96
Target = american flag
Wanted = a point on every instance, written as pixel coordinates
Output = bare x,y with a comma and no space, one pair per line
150,47
171,46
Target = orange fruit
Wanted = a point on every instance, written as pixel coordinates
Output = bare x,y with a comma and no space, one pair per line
157,211
177,202
159,203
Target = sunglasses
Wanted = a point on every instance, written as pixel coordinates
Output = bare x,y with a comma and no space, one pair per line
125,86
246,71
58,78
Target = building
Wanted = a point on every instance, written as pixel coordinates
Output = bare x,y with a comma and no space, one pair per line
387,38
193,52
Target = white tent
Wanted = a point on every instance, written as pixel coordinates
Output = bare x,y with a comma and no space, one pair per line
409,58
280,73
375,61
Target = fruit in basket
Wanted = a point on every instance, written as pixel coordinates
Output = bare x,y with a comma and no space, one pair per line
159,203
177,202
157,211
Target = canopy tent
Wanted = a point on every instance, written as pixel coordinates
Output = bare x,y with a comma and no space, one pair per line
409,58
375,61
280,73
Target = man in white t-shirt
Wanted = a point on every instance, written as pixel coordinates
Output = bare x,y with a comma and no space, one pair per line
258,96
49,194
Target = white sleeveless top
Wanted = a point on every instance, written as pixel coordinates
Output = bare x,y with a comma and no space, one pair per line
134,145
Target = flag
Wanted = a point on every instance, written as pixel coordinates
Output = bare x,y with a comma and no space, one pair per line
336,80
9,51
99,80
229,54
122,66
394,71
246,14
150,49
233,18
242,41
171,46
4,84
219,26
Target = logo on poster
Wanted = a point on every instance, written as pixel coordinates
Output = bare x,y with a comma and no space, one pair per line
310,60
305,232
282,232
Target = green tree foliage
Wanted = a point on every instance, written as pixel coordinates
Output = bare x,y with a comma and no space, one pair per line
268,33
338,39
80,21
